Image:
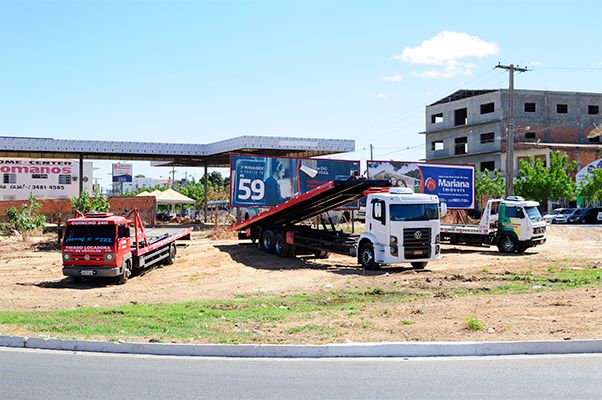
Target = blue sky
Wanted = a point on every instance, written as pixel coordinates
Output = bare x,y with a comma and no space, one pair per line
201,71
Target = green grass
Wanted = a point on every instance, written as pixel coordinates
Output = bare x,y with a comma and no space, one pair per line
406,322
247,318
474,324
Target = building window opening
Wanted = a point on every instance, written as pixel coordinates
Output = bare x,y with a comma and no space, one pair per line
487,108
487,166
562,108
529,135
460,116
529,107
461,145
9,178
593,109
487,137
64,179
594,139
437,145
39,176
437,118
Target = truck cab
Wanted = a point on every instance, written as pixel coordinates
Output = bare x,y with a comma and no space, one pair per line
520,225
401,226
97,245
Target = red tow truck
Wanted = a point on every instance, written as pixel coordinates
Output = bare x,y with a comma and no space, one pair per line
101,245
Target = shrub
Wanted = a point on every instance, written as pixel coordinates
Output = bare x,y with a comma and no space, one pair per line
25,218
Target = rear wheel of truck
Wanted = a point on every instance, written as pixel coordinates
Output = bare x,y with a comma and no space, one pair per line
171,258
127,271
281,248
321,254
267,241
419,264
366,256
506,244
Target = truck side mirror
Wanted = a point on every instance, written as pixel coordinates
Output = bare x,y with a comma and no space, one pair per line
443,212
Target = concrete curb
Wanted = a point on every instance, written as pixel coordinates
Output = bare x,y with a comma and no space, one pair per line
415,349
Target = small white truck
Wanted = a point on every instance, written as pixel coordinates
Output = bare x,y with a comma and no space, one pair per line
401,226
512,224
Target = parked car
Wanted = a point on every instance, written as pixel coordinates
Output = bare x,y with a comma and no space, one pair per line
563,216
585,216
549,218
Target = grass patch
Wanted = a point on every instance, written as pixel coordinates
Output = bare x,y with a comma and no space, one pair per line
250,318
406,322
474,324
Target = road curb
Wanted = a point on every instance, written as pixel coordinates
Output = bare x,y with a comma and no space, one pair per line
414,349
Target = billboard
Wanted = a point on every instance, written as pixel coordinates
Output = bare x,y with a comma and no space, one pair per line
122,173
454,184
44,178
269,181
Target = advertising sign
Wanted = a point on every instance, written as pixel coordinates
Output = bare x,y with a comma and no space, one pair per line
454,184
587,171
269,181
122,173
45,179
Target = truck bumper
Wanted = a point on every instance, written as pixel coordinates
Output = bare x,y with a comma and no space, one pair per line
92,271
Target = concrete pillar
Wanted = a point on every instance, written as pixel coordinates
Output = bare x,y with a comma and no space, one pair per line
206,191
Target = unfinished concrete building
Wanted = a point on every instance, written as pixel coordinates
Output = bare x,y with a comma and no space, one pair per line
469,127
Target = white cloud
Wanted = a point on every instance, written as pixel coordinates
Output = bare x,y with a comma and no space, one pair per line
535,63
381,96
392,78
446,50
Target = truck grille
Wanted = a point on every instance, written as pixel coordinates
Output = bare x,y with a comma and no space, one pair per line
78,257
417,243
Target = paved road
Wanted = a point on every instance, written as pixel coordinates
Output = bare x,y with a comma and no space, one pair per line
35,374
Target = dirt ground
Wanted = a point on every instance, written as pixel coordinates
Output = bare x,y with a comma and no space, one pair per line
31,279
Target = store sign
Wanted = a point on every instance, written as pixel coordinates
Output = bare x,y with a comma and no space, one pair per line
122,173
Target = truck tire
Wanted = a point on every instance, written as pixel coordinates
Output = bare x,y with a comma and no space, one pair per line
281,248
506,244
321,254
366,256
419,264
171,258
127,271
267,241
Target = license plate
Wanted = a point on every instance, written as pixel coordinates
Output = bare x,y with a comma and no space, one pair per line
87,273
416,252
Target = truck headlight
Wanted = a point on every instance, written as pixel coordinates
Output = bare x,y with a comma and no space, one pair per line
66,256
438,238
109,257
393,240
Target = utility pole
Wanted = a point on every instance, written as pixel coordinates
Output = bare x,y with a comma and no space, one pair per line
173,176
510,127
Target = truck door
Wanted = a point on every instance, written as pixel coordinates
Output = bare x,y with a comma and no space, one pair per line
379,227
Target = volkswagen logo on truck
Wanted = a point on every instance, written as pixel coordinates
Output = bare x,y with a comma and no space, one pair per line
418,235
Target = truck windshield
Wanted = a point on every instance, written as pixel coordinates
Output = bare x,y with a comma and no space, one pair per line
90,235
414,212
533,213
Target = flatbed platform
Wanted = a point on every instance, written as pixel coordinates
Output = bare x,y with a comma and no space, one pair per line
329,196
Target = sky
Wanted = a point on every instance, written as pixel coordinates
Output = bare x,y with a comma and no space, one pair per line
203,71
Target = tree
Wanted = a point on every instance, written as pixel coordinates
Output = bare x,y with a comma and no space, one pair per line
485,186
537,182
85,203
25,218
591,187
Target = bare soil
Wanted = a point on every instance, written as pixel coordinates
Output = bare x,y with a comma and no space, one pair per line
218,267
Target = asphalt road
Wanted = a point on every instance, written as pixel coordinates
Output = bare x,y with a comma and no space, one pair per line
36,374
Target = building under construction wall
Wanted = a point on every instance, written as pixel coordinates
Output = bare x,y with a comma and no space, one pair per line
469,127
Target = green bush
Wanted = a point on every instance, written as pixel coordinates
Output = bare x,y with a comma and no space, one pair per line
85,203
26,218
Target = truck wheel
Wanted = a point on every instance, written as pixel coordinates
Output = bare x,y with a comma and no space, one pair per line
171,258
419,264
267,241
321,254
281,248
366,256
506,244
127,271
